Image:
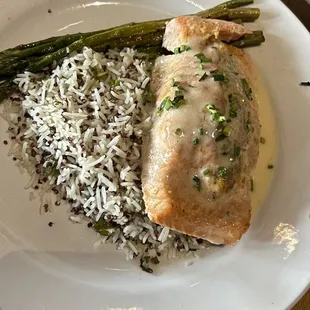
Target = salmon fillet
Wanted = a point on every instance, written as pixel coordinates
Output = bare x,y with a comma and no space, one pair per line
198,158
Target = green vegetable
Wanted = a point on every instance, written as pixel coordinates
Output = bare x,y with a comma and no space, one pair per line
51,170
215,115
248,40
200,131
145,37
233,105
203,58
222,172
203,77
247,89
236,153
252,185
181,49
102,227
197,183
196,141
178,132
206,172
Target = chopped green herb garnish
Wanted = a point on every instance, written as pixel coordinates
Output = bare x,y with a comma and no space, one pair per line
219,77
203,58
200,131
168,103
215,115
200,66
222,172
101,75
184,48
247,89
197,183
206,172
178,132
248,122
203,77
117,83
227,130
270,166
51,170
181,49
233,105
102,227
236,153
196,141
252,185
262,140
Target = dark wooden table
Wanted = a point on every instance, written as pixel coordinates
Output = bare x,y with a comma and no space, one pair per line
302,10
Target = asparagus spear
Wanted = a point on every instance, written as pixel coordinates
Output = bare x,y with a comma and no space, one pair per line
254,39
233,4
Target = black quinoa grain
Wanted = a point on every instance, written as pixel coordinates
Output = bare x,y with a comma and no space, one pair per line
14,158
5,142
19,118
36,187
45,207
57,203
49,11
90,224
50,224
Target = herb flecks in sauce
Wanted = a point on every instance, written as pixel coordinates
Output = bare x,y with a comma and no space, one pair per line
181,49
218,76
178,132
222,172
262,140
206,172
197,183
195,141
270,167
233,107
202,58
252,185
246,88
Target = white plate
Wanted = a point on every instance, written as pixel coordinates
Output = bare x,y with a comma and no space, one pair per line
57,268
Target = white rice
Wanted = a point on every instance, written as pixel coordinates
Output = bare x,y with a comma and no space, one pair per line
84,124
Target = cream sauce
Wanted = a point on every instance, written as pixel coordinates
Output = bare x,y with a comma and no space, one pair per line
262,176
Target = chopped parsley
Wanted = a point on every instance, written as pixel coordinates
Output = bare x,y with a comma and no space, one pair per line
181,49
197,183
200,131
247,89
233,105
178,132
262,140
196,141
203,58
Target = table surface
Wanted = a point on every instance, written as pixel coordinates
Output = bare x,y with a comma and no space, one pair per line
302,10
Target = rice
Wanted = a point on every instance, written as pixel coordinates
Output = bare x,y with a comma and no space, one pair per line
78,132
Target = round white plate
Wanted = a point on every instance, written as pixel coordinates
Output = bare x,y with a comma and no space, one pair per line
57,268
